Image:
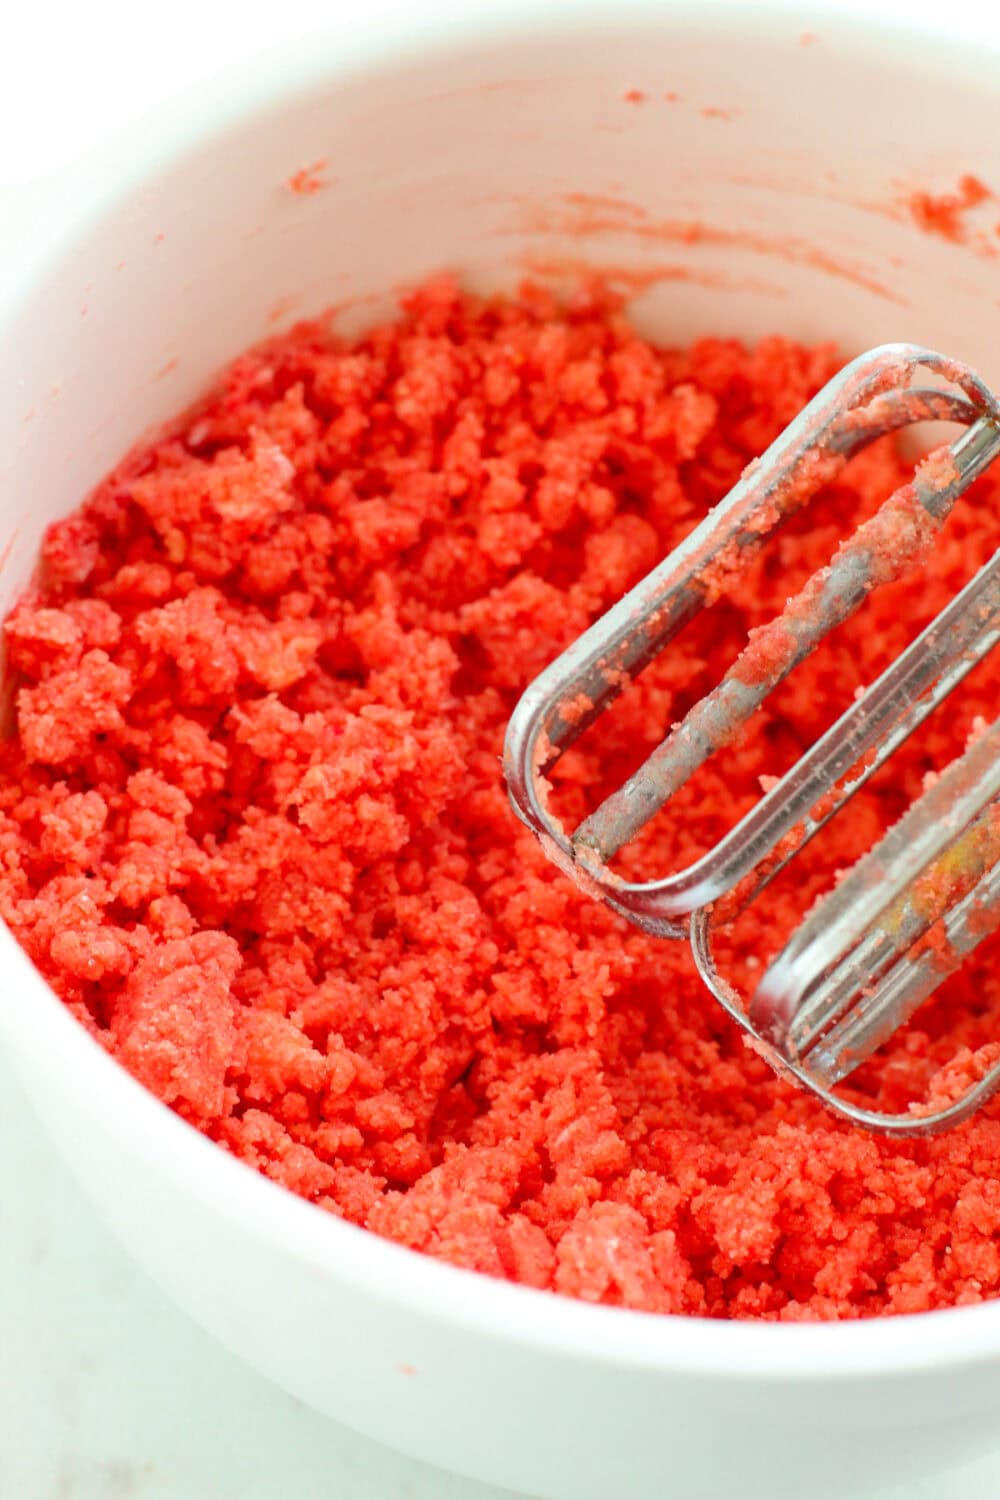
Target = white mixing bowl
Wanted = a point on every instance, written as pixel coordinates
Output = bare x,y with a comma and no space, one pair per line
137,276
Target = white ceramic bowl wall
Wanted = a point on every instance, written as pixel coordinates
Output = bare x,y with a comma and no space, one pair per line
133,281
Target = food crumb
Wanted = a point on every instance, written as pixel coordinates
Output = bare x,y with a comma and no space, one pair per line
309,180
944,214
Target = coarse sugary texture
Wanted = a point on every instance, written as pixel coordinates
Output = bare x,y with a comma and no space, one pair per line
253,828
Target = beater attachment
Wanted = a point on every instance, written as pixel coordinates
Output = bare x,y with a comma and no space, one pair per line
911,910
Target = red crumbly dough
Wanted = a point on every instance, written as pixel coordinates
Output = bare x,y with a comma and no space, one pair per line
254,832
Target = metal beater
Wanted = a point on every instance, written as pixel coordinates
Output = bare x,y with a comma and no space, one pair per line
912,909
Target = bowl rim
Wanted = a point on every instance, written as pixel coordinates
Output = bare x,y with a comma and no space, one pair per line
72,202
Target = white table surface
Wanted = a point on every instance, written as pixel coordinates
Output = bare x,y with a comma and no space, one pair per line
108,1392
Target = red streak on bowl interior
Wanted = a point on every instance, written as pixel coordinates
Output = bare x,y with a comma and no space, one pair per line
631,281
590,216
